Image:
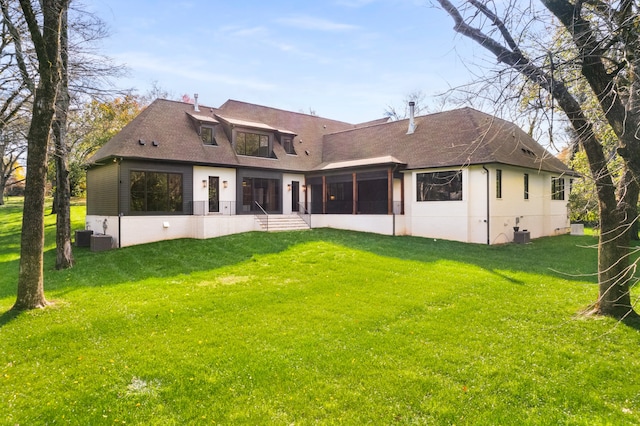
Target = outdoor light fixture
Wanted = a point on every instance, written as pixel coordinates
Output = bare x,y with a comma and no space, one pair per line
225,183
304,187
204,183
289,187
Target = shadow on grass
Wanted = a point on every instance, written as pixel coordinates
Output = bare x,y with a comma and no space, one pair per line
632,322
564,257
8,316
556,256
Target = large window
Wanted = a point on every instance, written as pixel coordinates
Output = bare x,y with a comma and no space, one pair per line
498,183
156,192
526,186
265,192
253,144
557,188
439,186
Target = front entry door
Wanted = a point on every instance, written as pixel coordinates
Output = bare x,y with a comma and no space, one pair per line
295,196
214,194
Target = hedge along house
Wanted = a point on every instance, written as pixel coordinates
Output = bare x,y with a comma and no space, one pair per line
186,171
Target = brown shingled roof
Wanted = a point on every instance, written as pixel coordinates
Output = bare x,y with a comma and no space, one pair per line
170,125
454,138
459,137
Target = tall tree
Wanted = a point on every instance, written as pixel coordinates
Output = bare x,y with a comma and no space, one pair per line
14,93
596,29
64,253
45,35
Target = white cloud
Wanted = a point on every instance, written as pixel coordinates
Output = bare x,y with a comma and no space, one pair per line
317,24
175,68
354,3
238,31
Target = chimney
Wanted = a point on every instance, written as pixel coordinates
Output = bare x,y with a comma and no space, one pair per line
412,124
195,103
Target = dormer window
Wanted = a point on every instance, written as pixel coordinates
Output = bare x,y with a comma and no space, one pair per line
206,134
253,144
287,144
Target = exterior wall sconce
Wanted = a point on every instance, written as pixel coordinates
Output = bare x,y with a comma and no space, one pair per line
304,187
225,183
289,187
204,183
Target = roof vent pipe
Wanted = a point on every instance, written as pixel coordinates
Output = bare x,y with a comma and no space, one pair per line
195,103
412,124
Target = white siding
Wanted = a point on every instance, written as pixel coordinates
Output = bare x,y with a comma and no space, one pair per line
201,192
466,220
287,195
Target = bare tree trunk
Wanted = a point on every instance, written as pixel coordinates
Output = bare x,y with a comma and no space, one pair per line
614,272
613,253
628,196
30,278
3,185
62,203
47,47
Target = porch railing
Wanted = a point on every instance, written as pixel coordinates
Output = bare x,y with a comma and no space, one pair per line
362,207
304,213
228,208
204,208
262,216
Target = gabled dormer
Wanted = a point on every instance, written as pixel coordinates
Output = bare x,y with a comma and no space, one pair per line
285,137
250,138
206,127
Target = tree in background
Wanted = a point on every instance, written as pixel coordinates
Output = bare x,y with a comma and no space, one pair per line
64,253
14,93
402,112
90,127
12,148
15,184
605,52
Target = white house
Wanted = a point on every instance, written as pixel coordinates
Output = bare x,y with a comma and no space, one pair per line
187,171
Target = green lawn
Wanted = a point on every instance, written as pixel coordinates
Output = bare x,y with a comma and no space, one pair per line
321,326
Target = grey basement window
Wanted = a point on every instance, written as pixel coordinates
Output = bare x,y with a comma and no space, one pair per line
439,186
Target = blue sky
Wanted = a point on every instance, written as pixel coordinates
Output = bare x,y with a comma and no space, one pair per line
344,59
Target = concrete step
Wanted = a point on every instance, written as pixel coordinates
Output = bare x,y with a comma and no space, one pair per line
282,223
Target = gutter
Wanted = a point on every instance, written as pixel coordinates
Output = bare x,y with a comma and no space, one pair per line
118,204
488,200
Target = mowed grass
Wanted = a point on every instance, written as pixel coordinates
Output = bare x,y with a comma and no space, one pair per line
315,327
